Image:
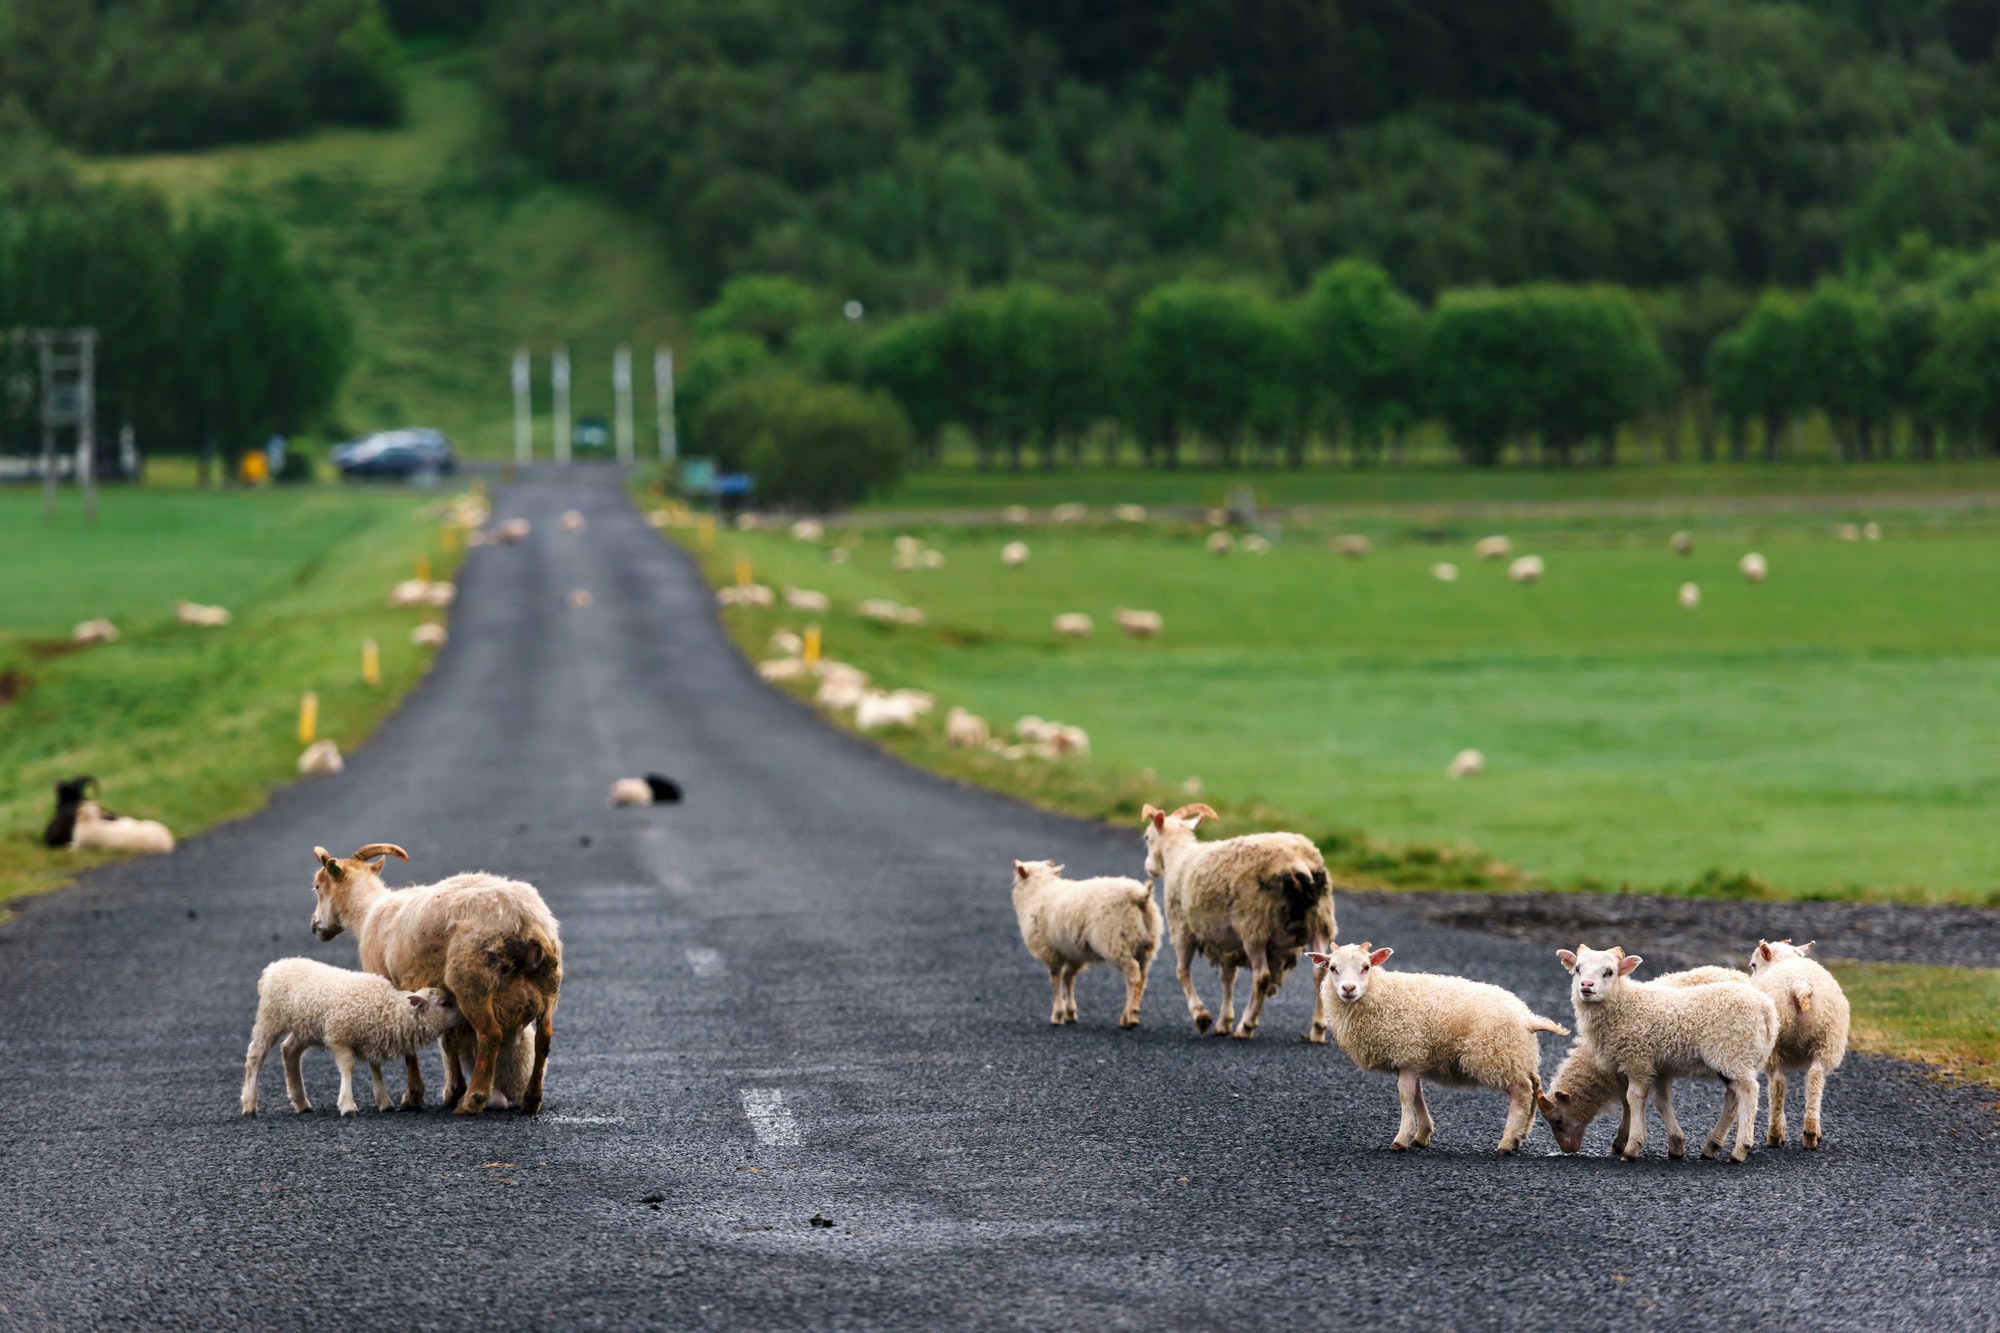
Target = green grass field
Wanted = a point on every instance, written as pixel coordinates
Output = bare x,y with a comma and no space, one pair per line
449,252
191,725
1828,732
1946,1016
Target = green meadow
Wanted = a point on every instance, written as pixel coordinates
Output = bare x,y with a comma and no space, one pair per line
1826,733
184,724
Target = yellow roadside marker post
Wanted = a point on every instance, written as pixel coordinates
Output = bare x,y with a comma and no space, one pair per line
308,717
424,568
371,663
742,573
811,651
704,527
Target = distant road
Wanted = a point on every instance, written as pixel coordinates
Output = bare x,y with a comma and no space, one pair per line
800,995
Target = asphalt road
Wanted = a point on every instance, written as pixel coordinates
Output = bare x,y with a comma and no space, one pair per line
801,994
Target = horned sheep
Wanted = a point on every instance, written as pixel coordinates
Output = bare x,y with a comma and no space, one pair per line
356,1015
1256,899
1812,1029
1419,1026
1068,924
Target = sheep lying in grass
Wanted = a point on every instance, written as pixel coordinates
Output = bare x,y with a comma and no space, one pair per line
322,756
356,1015
1068,924
117,833
1465,764
1420,1026
808,530
1014,554
207,617
1220,543
1652,1034
1129,513
1257,544
749,594
965,731
94,631
1015,514
430,634
1812,1029
1353,546
1072,512
781,668
1585,1086
805,599
1528,569
490,942
1139,624
1256,899
840,686
1754,567
877,709
653,789
1444,572
1073,625
885,612
1493,548
1689,596
411,592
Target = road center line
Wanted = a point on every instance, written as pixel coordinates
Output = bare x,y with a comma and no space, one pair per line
705,962
770,1118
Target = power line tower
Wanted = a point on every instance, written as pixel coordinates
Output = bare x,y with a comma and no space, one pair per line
67,360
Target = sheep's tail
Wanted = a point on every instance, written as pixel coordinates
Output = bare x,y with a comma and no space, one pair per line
1536,1023
1141,893
1802,998
522,954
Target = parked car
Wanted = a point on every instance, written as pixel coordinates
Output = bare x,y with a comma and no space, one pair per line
592,434
396,453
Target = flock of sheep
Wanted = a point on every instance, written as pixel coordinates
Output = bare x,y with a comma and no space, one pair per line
1263,901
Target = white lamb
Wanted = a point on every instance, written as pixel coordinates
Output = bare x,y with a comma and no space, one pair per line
1493,548
808,530
1465,764
1256,899
806,599
840,687
94,631
1419,1026
1220,543
1690,596
356,1015
322,756
1812,1028
118,833
966,731
194,613
1071,512
1129,513
411,592
1139,624
876,709
1014,554
782,668
1682,543
1754,567
1528,569
1070,924
1652,1034
1353,546
513,531
1073,625
430,634
1444,572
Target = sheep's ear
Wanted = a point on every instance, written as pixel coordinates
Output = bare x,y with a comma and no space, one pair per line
1568,958
1546,1106
1321,959
1020,870
1806,948
1153,815
1561,1097
1057,869
416,1001
1763,950
1625,968
1380,956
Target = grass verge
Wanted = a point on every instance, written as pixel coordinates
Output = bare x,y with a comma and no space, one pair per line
192,726
1944,1016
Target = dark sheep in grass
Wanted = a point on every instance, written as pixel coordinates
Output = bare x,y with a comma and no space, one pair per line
70,793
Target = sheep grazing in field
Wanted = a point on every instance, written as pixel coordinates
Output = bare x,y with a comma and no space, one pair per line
356,1015
411,592
206,617
1014,554
1527,569
788,643
1444,572
1465,764
322,756
1256,899
1871,531
1689,596
1220,543
748,594
781,668
653,789
94,631
808,530
513,531
1069,513
1847,532
490,942
1493,548
430,634
441,594
660,518
1812,1029
1129,513
572,521
841,687
1682,543
1257,544
1139,624
748,522
1073,625
1014,514
1418,1026
579,599
806,599
93,827
931,558
1353,546
1584,1085
876,709
70,794
1652,1035
966,731
885,612
1753,567
1068,924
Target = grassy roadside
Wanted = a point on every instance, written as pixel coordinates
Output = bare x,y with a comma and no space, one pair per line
1944,1016
192,726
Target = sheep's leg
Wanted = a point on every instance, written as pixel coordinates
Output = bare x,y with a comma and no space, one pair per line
253,1061
456,1059
1056,995
1425,1125
1624,1125
295,1084
344,1057
479,1090
1069,992
1223,1029
1744,1090
1663,1098
545,1035
1815,1089
1135,991
1636,1093
1184,972
1774,1136
1317,1035
413,1084
1409,1089
1520,1116
382,1102
1262,983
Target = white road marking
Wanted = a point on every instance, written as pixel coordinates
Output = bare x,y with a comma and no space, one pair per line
771,1118
705,962
584,1119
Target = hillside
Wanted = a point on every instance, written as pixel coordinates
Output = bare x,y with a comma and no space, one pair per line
448,252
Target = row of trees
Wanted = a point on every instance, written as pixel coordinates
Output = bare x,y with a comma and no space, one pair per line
1224,368
211,335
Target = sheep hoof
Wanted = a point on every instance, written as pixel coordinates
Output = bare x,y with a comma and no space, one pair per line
350,1110
1677,1148
1202,1022
1742,1154
530,1104
1708,1153
1809,1139
1775,1140
1628,1156
412,1101
470,1104
1399,1146
302,1107
1128,1022
1244,1034
1316,1038
1506,1150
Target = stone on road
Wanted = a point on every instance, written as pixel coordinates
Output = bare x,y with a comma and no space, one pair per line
803,1074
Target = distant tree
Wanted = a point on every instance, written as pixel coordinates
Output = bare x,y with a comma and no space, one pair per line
1475,370
768,307
1685,322
1909,330
712,363
1041,361
1199,358
1362,337
1840,336
1921,190
907,360
1960,377
1759,371
822,446
1205,181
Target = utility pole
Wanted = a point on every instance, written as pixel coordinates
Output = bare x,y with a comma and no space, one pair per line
621,388
68,398
524,421
663,401
559,373
86,421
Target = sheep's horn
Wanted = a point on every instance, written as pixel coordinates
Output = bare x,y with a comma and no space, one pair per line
325,857
1197,809
381,849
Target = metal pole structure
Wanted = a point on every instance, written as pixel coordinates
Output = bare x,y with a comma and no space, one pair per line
45,349
559,374
86,421
524,421
663,400
621,390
